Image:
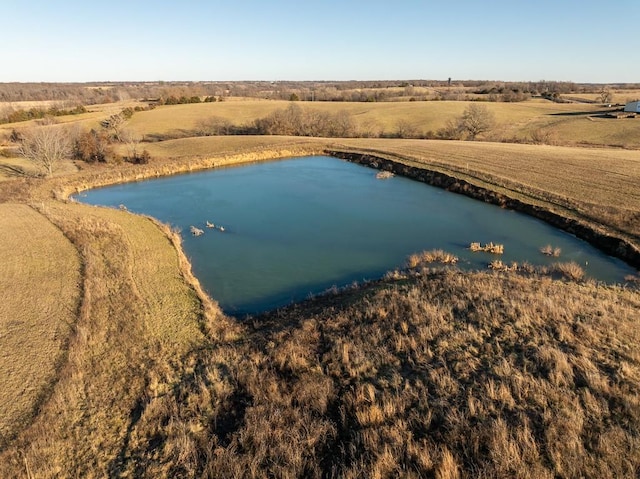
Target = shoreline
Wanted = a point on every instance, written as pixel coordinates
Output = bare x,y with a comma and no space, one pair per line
609,244
606,242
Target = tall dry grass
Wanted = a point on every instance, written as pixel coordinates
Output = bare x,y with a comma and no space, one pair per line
448,375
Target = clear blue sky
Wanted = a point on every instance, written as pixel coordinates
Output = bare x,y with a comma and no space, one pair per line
88,40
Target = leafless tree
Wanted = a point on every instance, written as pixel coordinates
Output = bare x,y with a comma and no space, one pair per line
46,146
476,119
132,140
114,123
605,96
406,129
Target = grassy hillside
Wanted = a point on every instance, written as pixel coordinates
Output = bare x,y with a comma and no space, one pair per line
39,279
134,336
449,375
513,119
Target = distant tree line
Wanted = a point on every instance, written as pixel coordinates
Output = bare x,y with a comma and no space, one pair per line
358,91
11,115
183,100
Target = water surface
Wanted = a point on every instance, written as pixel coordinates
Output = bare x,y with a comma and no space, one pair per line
297,227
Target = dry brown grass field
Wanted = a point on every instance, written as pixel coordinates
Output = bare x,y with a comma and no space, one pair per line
436,374
450,375
618,96
372,118
40,283
91,119
138,324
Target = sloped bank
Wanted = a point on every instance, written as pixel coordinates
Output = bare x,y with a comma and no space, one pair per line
611,245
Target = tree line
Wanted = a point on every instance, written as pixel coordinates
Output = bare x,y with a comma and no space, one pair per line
295,120
108,92
11,115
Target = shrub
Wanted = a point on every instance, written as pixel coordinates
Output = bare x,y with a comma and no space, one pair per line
16,136
571,270
451,131
417,260
139,159
550,251
214,126
296,121
540,136
91,147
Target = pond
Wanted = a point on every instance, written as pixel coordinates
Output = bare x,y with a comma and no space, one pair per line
297,227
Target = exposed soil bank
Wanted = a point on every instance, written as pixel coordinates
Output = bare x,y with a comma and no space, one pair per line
611,245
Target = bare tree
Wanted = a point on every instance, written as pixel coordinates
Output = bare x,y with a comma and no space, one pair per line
46,146
406,129
132,140
605,96
451,131
114,123
476,119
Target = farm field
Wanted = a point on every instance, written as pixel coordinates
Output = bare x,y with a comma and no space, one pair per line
562,123
438,374
376,118
618,96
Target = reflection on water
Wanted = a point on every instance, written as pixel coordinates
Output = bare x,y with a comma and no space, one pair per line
299,226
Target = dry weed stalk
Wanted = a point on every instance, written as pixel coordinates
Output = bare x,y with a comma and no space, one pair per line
488,248
571,270
551,251
432,256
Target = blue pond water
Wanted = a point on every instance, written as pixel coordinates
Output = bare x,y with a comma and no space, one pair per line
297,227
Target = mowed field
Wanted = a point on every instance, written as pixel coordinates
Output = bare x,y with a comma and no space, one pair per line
617,96
40,282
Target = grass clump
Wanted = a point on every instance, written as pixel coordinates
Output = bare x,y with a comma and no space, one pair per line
549,250
570,270
498,265
424,258
488,248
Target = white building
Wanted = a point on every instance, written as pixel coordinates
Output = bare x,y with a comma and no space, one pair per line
633,107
